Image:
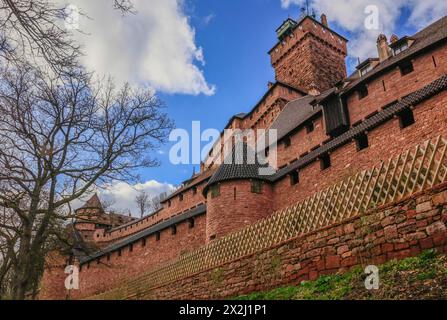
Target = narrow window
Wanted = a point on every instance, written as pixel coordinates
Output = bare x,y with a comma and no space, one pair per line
287,142
362,142
130,247
294,178
191,223
406,118
362,91
310,127
181,197
434,61
98,261
143,242
215,191
174,229
157,236
194,190
257,186
406,68
88,265
169,203
234,193
119,253
325,161
383,84
108,257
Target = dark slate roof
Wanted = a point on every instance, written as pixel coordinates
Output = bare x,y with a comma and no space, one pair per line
410,100
277,83
93,203
239,165
423,40
145,233
295,113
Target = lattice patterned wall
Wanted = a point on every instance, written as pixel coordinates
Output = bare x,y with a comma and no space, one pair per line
415,170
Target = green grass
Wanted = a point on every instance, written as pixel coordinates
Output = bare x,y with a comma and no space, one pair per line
394,275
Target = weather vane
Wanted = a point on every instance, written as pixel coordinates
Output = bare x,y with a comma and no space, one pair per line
306,10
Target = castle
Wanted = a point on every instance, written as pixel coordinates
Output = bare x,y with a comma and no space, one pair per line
330,126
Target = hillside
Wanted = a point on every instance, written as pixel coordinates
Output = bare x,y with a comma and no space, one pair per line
422,277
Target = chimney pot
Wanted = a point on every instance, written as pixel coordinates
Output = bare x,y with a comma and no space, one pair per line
383,49
394,38
324,20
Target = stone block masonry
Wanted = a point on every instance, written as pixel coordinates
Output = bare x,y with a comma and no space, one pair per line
396,231
336,228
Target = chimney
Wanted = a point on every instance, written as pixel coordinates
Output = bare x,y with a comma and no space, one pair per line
270,84
382,48
314,90
324,20
394,38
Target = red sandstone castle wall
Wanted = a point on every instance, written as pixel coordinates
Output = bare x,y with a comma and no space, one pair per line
236,208
312,58
301,142
96,277
384,142
397,86
190,200
427,68
397,231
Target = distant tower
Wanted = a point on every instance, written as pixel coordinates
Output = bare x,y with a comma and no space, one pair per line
237,195
309,55
88,217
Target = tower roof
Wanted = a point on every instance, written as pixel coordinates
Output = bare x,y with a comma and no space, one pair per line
93,203
242,163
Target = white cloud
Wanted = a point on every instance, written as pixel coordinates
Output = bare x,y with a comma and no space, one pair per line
155,46
207,19
122,195
350,15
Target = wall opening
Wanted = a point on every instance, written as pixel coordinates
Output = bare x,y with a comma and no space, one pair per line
294,178
362,91
325,161
406,118
257,186
362,141
287,142
215,191
191,223
310,127
406,68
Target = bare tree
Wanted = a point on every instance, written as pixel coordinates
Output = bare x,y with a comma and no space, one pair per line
35,29
155,202
107,204
143,203
60,137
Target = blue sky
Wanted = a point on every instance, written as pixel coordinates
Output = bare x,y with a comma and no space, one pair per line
207,59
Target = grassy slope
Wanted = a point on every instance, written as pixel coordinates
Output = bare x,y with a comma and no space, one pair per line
422,277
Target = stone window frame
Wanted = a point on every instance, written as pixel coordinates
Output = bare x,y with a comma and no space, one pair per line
257,186
215,190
